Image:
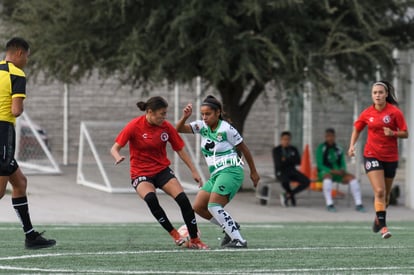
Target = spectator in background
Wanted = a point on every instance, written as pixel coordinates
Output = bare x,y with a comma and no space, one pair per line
285,158
330,159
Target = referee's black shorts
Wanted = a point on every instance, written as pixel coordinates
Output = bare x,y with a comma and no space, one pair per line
8,165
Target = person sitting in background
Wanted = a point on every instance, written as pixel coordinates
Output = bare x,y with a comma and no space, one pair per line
330,159
286,157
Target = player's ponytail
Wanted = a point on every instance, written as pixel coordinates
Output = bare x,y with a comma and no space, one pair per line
154,103
391,98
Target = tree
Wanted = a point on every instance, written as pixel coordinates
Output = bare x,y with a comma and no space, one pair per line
238,46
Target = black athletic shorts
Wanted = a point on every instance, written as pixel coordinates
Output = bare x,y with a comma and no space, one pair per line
8,165
390,168
159,180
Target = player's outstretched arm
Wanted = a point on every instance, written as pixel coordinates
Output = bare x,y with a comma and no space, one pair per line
115,153
181,126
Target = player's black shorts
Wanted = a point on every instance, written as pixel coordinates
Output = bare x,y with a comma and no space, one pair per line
159,180
390,168
8,165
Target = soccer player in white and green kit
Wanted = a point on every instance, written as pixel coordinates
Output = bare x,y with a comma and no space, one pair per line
220,142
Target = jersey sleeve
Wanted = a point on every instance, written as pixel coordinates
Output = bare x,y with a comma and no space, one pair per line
124,136
400,120
319,160
177,143
196,126
18,86
360,123
233,136
18,81
343,160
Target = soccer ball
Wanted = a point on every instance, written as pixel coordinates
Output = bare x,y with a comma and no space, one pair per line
184,233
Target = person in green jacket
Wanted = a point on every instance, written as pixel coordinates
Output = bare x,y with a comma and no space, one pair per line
330,160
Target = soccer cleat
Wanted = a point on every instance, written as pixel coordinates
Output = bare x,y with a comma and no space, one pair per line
227,238
236,244
38,242
385,234
376,226
177,237
196,243
331,208
283,200
360,208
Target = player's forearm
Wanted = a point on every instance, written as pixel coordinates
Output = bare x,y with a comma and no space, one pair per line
180,125
186,159
354,137
115,152
248,156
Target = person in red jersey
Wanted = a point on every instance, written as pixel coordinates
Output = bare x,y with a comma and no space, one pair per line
147,136
386,123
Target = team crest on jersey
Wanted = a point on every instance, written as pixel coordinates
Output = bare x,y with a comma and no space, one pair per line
371,119
386,119
219,137
164,136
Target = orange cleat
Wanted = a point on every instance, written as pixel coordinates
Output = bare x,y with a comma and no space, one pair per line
385,234
178,240
196,243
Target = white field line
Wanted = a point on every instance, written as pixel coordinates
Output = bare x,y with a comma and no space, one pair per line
150,225
223,251
233,271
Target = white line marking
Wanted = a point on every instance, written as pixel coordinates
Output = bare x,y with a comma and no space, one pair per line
70,254
233,271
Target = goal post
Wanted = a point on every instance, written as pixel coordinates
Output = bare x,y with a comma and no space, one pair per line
32,151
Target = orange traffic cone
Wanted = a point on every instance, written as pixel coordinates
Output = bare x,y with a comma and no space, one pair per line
305,163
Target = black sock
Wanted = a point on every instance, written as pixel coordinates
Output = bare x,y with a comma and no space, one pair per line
381,215
188,214
21,207
156,210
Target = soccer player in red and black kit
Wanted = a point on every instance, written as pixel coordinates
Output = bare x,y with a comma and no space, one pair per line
385,124
147,136
12,94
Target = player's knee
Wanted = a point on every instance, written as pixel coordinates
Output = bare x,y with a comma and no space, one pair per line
200,208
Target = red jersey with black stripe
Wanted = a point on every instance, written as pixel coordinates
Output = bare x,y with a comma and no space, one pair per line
379,146
147,145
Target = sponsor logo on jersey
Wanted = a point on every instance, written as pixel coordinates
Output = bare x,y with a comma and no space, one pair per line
145,135
164,136
371,119
386,119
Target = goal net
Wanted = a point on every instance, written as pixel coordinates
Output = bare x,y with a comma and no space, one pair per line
96,167
32,150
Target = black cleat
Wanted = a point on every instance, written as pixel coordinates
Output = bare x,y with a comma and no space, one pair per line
236,244
38,242
227,238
